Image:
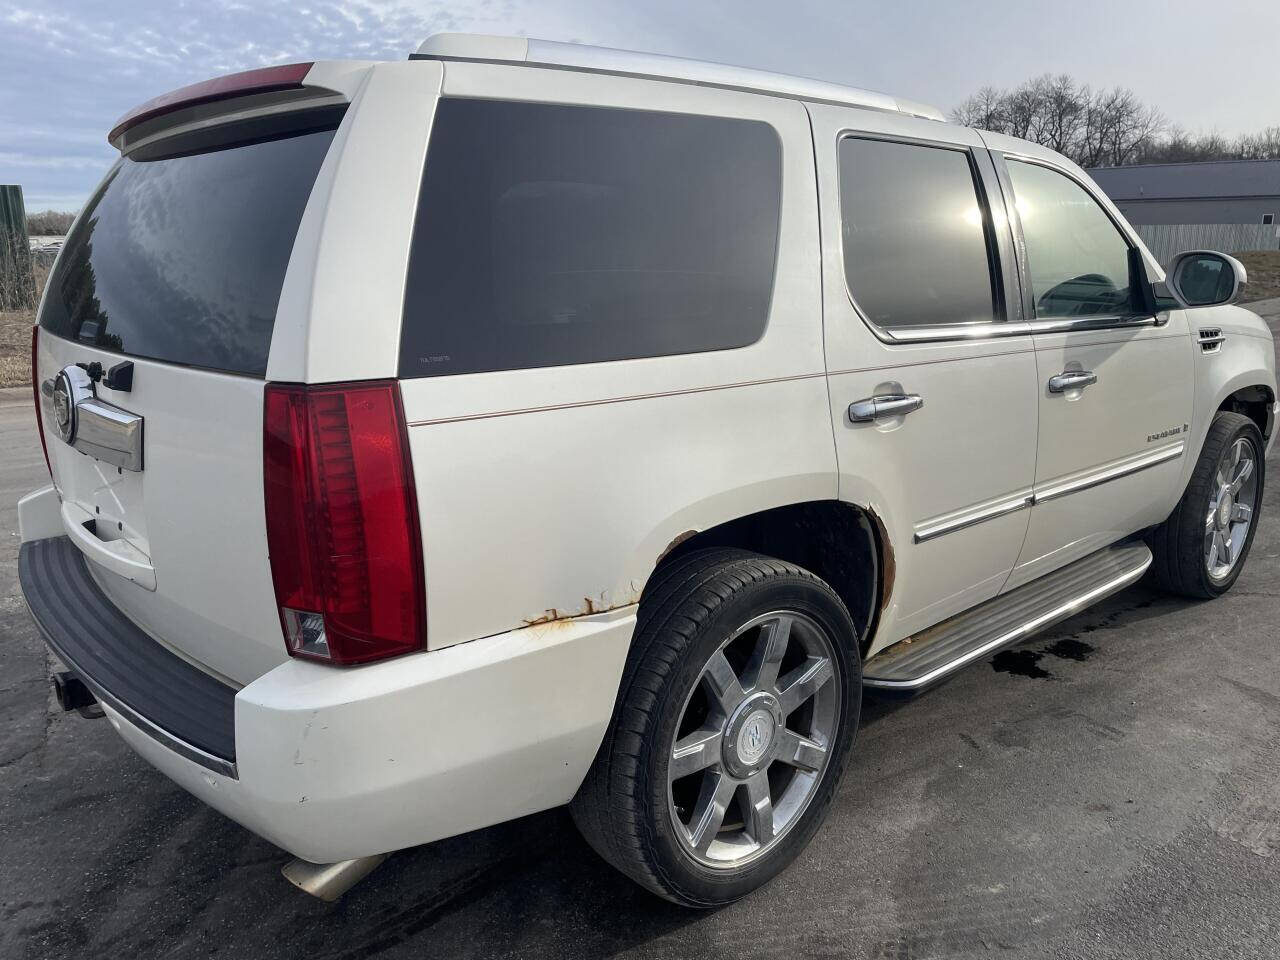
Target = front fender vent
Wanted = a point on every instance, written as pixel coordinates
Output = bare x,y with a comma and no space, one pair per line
1211,339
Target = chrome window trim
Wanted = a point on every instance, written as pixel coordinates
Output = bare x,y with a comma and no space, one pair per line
1061,488
1067,324
941,333
950,332
970,517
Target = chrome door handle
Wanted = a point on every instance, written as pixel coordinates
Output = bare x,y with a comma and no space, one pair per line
887,405
1072,380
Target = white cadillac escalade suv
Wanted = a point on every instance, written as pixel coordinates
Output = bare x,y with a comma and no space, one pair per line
437,442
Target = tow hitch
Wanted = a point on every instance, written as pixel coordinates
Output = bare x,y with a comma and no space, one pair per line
72,694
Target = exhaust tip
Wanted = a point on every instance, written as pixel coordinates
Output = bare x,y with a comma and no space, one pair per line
329,881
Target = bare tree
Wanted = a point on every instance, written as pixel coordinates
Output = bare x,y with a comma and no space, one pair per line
1093,127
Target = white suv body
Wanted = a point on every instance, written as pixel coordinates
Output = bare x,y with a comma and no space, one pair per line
548,487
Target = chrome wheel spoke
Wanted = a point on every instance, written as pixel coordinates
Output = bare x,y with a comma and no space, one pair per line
708,815
1241,471
803,682
801,752
757,809
1242,513
698,751
1217,549
723,683
766,659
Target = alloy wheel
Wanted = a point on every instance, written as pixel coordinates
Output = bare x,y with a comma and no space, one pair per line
754,739
1231,508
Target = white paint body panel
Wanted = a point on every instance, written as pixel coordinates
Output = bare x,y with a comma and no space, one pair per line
585,475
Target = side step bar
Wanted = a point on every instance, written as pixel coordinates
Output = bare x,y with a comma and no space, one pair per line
911,665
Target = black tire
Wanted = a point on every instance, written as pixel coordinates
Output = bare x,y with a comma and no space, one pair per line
688,610
1178,544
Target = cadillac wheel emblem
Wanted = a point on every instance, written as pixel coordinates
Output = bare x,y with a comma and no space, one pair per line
64,420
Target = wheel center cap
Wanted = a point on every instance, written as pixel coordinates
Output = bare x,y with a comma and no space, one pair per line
751,735
1225,508
755,737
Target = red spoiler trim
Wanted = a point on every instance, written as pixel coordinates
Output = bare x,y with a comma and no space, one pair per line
264,79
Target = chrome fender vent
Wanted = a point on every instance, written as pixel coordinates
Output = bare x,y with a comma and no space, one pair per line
1211,339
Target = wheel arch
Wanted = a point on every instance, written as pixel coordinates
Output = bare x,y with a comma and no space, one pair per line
844,544
1257,402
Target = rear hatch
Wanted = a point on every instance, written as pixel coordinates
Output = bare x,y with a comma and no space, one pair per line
176,266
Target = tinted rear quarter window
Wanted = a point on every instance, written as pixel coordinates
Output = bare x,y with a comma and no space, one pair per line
916,247
551,234
182,258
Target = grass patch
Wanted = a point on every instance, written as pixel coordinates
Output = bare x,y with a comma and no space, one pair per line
15,348
1264,274
15,337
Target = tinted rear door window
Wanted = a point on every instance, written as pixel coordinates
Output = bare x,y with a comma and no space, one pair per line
550,235
182,258
917,250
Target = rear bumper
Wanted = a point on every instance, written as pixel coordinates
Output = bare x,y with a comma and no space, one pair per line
334,763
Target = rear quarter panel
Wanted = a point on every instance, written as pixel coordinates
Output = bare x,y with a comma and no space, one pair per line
549,493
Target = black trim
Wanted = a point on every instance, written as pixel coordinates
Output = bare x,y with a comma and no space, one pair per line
168,698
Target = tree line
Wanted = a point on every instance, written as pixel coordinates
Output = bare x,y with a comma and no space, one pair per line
1099,127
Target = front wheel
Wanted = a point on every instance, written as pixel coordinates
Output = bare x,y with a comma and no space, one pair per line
1200,550
737,709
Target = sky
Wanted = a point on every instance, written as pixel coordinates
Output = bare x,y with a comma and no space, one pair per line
70,68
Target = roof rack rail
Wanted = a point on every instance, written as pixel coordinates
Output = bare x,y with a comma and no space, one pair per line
577,56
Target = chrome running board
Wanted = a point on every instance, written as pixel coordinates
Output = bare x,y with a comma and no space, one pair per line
932,655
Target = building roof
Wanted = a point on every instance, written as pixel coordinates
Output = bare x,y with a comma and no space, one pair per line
475,46
1218,179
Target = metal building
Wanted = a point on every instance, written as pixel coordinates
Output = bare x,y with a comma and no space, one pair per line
1220,191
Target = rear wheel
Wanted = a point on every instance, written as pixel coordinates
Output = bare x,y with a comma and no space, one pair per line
738,705
1201,549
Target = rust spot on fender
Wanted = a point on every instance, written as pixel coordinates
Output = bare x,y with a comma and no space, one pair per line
590,606
675,542
889,564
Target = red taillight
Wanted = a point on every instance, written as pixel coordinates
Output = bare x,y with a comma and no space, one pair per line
288,76
342,521
35,391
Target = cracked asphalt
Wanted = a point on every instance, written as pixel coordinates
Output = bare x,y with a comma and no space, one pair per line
1109,789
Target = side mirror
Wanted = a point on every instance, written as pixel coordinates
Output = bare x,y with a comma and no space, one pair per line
1203,278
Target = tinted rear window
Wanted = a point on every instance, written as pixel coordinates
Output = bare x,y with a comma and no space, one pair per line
181,259
550,235
916,249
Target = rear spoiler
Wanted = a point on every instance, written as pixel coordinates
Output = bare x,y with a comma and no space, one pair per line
252,93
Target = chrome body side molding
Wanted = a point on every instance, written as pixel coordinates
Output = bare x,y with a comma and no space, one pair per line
1108,472
969,516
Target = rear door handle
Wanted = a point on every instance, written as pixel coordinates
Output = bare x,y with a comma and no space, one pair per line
886,405
1072,380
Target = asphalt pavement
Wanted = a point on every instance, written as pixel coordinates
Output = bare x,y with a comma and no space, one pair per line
1109,789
